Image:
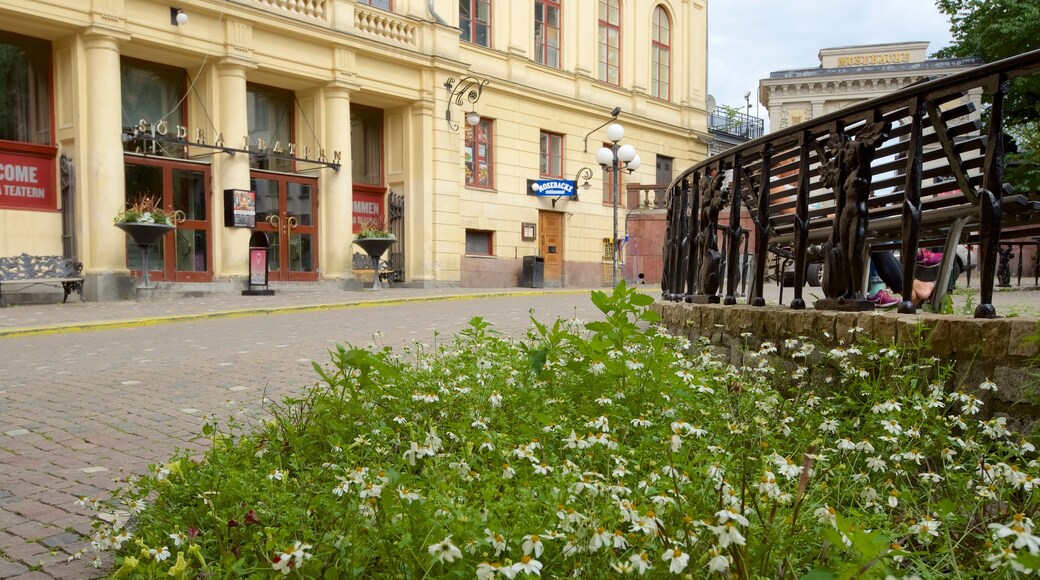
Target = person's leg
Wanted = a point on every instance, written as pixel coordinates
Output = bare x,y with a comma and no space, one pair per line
922,291
888,269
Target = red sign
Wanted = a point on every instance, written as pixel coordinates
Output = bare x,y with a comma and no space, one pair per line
368,208
27,181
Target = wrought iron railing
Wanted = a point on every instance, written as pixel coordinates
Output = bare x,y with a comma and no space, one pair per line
919,167
735,123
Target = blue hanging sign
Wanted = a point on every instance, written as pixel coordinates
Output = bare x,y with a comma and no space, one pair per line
552,187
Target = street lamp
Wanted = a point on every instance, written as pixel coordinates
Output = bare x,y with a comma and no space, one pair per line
610,159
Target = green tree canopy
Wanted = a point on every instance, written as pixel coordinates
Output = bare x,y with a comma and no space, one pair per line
993,30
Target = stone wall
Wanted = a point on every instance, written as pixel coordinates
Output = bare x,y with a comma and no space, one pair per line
981,349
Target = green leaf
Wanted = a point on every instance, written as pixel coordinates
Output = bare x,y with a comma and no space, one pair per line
642,299
819,574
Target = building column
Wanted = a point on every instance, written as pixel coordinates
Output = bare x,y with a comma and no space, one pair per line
230,172
104,246
336,225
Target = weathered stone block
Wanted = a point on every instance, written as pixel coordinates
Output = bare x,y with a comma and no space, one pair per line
1019,330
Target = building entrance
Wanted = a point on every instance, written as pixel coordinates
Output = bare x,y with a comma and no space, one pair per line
181,188
550,246
286,210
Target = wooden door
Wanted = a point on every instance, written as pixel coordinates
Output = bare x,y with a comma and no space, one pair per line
286,206
550,246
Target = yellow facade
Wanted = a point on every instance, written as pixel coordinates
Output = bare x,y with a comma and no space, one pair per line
333,55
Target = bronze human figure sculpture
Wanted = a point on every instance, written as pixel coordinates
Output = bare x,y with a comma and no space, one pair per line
709,259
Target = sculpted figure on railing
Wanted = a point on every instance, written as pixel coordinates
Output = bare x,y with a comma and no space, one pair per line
709,259
848,172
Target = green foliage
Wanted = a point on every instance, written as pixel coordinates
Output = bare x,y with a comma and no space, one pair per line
993,30
594,449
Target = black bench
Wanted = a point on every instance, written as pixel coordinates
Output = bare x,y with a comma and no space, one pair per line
28,271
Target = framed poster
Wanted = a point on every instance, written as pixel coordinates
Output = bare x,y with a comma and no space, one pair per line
239,208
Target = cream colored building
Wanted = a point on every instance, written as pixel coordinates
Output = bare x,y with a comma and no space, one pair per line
849,75
324,110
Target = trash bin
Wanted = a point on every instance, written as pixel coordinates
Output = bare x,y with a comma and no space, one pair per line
533,275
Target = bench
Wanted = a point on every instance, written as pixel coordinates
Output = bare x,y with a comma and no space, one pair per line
28,271
362,264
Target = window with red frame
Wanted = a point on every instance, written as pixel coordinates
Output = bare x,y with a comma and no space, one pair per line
551,155
609,58
475,21
661,55
480,168
547,32
383,4
25,89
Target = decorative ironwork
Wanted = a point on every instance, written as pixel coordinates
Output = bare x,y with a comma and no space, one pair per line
33,270
709,260
906,170
468,89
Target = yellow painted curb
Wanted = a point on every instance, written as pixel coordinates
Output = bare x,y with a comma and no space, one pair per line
137,322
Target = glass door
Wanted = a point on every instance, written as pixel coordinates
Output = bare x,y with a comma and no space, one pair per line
180,188
286,210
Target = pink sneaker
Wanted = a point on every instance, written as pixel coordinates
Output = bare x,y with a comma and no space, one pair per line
883,299
928,258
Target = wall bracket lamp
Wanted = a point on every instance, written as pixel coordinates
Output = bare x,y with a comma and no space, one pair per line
466,89
178,17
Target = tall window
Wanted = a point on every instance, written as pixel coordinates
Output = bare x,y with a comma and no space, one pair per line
661,55
609,58
25,93
480,169
475,21
269,111
551,155
152,93
547,32
384,4
366,145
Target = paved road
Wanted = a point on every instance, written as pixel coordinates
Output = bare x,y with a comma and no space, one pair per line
80,409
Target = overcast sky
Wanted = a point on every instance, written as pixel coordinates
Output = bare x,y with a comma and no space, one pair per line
748,39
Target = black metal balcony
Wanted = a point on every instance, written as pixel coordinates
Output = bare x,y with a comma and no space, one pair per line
735,123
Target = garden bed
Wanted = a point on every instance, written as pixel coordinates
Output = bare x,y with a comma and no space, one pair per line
597,450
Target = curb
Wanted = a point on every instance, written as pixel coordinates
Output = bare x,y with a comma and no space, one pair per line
242,313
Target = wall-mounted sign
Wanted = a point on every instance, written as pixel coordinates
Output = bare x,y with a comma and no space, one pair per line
239,208
552,187
27,181
527,231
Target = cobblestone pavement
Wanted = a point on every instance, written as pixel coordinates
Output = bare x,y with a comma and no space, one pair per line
87,405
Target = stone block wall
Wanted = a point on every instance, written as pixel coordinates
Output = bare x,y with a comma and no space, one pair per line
980,349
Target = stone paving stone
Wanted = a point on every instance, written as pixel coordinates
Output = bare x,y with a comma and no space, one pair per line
12,569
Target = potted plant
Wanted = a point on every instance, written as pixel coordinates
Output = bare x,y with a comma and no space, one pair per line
146,223
374,239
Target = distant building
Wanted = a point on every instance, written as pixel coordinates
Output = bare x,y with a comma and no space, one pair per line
849,75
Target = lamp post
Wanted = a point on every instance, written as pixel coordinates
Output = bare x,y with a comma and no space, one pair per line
610,159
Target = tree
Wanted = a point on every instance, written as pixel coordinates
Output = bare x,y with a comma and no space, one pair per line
993,30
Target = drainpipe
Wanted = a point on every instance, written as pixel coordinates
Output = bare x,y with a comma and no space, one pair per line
429,4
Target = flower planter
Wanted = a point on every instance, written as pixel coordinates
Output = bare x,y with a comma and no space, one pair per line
375,247
144,235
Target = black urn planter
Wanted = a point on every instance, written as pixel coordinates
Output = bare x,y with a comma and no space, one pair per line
375,247
144,235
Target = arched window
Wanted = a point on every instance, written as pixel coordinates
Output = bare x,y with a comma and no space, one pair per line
609,57
661,55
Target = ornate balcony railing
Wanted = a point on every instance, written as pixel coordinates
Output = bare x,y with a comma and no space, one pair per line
309,9
384,25
915,168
